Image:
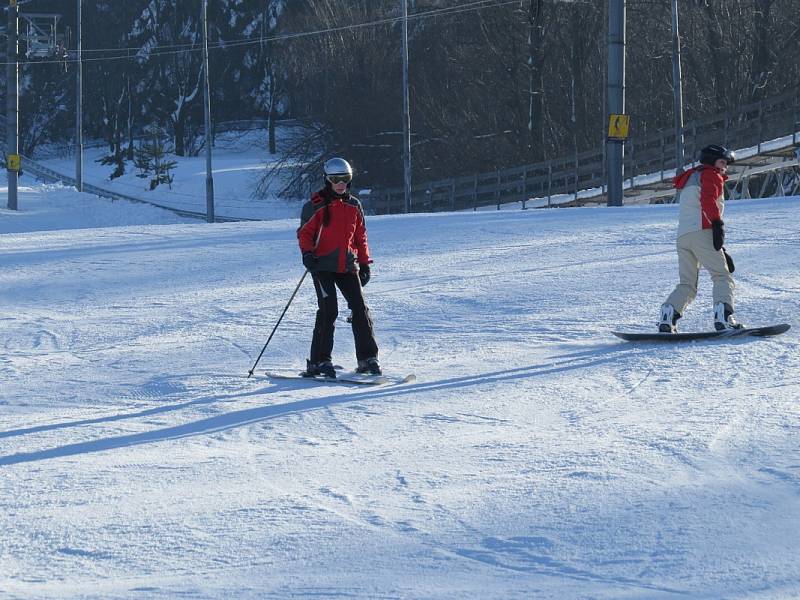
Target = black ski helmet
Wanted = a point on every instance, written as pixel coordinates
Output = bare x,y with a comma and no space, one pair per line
711,154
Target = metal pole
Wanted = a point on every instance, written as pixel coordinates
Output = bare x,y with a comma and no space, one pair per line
616,96
274,329
12,101
406,113
677,85
79,105
207,110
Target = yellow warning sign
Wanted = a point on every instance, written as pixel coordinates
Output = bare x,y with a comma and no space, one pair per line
14,162
618,126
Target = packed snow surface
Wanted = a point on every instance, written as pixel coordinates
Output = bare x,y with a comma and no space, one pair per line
536,456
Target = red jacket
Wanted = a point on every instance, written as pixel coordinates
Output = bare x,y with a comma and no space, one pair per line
341,242
701,198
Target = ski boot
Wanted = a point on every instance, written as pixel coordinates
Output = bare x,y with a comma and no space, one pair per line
669,316
324,369
369,366
723,317
311,369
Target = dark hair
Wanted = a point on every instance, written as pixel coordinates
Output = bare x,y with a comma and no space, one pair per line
327,194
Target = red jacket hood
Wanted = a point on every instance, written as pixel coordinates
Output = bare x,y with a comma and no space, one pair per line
679,181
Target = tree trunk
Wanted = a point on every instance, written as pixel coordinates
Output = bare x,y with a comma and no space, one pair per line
130,117
179,131
273,112
760,70
535,90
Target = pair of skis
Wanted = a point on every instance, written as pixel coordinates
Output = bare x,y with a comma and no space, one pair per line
343,378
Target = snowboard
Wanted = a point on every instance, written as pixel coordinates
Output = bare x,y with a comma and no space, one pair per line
349,378
657,336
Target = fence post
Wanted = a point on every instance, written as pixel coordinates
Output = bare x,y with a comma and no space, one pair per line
524,187
497,187
453,194
549,181
475,194
663,144
760,124
576,174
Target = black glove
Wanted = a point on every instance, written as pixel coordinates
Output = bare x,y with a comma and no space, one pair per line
310,261
718,230
363,274
729,260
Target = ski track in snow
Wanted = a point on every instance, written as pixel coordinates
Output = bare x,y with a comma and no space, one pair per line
535,455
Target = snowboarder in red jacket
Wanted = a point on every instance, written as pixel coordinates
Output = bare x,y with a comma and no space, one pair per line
701,235
333,240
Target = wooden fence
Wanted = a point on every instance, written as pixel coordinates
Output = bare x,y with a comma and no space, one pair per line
748,126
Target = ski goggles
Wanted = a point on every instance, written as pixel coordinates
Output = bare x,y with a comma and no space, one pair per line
345,178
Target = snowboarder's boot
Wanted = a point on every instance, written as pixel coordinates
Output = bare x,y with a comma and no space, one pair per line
370,366
669,316
723,317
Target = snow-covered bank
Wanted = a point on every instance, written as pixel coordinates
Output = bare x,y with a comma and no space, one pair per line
45,207
240,160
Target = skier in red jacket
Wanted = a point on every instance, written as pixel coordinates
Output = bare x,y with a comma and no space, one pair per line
333,240
701,235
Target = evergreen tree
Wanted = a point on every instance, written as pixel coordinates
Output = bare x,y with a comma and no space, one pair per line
152,161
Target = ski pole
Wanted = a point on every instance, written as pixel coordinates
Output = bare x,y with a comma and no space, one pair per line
274,329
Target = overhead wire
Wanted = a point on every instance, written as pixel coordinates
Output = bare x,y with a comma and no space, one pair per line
176,198
475,5
142,52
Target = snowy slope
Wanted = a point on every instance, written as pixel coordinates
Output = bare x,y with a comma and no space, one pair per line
238,164
535,457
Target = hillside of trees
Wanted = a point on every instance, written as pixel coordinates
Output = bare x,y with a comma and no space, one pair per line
492,84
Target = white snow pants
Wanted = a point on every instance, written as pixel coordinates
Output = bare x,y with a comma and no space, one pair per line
696,249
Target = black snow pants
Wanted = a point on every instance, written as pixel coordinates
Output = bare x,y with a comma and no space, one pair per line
325,284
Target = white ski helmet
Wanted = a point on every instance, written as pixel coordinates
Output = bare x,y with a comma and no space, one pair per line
337,166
